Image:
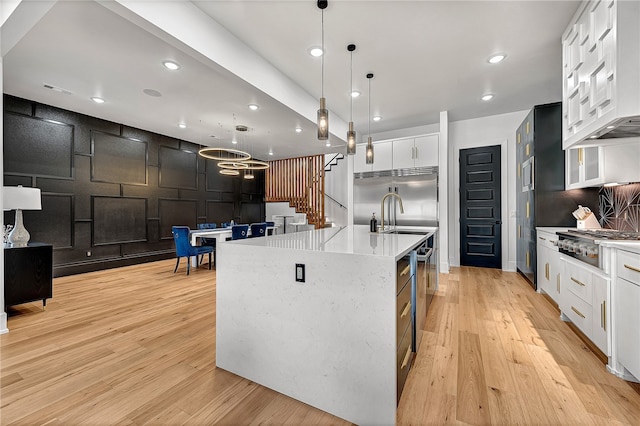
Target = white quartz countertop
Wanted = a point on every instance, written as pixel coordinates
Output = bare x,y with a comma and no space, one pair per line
632,246
354,239
553,229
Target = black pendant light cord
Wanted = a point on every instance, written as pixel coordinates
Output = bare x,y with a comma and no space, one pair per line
351,94
322,59
369,78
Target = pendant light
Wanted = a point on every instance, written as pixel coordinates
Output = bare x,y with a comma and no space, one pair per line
351,134
369,154
323,113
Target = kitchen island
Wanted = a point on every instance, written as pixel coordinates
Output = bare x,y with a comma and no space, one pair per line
323,333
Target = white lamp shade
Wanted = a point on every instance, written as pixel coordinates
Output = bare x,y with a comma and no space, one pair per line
19,197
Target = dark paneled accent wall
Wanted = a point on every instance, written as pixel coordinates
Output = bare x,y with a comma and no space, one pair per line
110,193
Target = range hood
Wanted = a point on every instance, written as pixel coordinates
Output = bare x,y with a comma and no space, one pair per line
627,127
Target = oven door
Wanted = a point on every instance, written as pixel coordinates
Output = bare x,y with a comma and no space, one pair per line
527,175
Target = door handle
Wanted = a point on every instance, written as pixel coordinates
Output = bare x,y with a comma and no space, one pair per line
498,222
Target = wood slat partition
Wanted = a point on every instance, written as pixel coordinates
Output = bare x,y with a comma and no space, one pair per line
300,182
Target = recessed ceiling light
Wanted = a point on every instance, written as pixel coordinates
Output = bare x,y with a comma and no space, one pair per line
377,118
298,129
254,107
182,125
593,136
234,141
270,152
315,51
355,94
611,127
97,100
487,97
498,57
328,143
170,65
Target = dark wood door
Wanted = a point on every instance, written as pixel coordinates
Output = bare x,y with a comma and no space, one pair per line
480,214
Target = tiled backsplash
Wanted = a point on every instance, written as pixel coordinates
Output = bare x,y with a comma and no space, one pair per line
620,207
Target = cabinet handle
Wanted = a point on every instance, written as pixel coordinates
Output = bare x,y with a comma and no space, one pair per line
519,138
558,282
543,239
631,267
416,152
577,282
577,312
527,209
603,315
546,271
526,149
528,260
580,156
527,127
406,310
519,232
405,360
405,270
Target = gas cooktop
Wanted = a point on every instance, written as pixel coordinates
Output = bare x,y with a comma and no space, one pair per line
605,234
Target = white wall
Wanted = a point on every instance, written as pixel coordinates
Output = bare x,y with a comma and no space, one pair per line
336,187
486,131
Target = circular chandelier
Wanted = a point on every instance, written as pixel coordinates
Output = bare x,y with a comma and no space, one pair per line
229,172
218,154
256,165
233,165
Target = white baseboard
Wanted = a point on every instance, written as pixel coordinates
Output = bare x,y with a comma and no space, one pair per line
3,323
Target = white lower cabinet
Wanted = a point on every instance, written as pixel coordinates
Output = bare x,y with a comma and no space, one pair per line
628,311
548,265
584,300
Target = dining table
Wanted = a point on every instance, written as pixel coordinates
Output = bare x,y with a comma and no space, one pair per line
219,234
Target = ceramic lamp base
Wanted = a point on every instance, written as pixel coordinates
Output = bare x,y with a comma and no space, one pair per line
19,236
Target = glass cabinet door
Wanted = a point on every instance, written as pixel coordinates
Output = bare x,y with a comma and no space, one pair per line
591,162
573,166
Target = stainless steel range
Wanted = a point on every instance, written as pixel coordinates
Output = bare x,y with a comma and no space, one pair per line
584,244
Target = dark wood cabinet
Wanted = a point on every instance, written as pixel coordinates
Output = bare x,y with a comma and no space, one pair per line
28,274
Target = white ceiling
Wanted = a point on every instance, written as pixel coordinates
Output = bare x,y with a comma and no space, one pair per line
427,57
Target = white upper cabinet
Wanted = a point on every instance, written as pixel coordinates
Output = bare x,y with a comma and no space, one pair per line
601,75
415,152
382,157
600,165
405,153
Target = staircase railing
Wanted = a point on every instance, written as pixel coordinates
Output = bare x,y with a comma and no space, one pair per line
300,182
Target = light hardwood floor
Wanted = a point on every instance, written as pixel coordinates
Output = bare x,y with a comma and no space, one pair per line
136,345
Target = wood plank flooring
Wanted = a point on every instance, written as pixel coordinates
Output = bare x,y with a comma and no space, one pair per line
136,346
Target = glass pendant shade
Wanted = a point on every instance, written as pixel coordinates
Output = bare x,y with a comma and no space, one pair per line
369,156
351,139
323,121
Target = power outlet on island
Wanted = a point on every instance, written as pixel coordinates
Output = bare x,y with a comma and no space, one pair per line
300,272
88,253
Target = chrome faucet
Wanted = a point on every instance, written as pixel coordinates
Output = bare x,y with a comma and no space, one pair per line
387,195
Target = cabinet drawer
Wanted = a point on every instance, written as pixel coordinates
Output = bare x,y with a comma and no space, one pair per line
403,362
579,282
403,273
628,266
579,312
547,240
403,312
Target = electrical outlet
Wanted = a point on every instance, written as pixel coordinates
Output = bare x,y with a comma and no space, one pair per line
88,253
300,272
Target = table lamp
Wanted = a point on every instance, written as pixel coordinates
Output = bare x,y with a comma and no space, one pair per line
19,198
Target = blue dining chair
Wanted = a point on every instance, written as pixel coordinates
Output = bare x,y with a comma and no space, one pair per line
270,224
207,241
239,232
258,229
225,224
185,249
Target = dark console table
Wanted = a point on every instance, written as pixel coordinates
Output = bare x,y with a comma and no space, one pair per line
28,274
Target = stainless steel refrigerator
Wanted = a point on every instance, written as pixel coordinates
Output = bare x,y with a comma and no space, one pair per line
419,198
